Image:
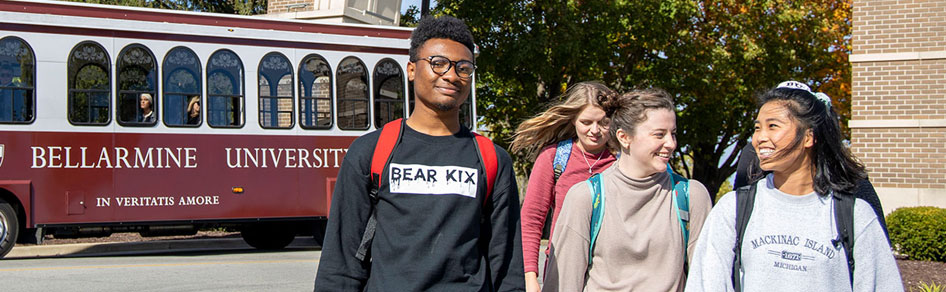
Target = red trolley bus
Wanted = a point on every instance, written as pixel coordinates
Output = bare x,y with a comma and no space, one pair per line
117,119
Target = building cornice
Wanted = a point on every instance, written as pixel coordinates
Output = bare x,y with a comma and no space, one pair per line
909,56
932,123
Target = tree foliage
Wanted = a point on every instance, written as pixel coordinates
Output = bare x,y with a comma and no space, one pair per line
243,7
410,17
715,57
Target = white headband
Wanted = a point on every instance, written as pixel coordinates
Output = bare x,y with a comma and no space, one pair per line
824,98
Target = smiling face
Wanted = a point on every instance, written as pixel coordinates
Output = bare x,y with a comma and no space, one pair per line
775,140
648,150
591,126
442,93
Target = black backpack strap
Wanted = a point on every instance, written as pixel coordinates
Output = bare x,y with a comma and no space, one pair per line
387,142
365,245
745,199
844,221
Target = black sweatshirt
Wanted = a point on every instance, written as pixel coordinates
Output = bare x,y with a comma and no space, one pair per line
432,232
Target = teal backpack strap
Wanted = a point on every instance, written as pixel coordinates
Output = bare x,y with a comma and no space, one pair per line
681,199
562,152
597,211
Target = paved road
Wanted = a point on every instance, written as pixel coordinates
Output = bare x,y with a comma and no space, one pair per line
292,269
173,265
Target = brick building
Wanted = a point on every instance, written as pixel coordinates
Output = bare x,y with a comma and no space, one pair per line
898,123
378,12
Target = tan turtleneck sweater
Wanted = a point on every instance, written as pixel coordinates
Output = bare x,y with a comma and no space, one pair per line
640,245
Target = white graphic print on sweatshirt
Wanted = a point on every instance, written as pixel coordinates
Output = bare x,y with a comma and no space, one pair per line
432,180
794,253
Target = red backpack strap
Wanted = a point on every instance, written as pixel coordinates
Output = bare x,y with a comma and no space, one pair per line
490,162
390,133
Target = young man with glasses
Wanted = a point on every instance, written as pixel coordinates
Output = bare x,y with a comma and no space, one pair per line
436,227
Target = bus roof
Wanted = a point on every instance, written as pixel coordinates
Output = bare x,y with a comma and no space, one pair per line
62,8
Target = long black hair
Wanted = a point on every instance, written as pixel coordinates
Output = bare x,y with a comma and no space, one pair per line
834,167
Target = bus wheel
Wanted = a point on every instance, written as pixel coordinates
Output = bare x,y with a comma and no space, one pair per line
9,227
268,235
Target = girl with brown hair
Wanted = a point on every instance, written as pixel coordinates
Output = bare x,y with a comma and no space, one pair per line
640,243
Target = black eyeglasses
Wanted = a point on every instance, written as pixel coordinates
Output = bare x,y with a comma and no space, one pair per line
440,65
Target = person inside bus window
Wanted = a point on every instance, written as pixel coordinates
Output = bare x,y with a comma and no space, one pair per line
436,229
193,110
147,108
6,76
6,94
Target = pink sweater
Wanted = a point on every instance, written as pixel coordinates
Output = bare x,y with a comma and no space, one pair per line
543,192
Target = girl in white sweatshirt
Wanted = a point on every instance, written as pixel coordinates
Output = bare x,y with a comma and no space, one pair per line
791,242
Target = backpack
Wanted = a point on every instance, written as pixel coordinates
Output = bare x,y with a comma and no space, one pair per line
843,218
390,136
681,200
562,153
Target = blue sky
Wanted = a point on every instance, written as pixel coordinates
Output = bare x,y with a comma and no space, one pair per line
408,3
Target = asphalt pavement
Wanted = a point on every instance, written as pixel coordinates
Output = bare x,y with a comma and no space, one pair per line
157,246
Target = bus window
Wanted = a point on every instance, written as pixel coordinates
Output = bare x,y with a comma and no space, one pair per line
466,111
225,90
410,97
16,81
89,83
352,78
388,92
315,87
137,86
181,88
275,102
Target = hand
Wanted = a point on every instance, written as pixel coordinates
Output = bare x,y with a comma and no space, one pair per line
532,282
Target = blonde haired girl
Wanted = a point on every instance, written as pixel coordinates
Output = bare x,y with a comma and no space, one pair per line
576,130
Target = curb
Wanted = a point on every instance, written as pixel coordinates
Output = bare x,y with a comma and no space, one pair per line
157,246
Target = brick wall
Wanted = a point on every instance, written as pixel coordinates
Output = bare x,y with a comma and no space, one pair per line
902,158
280,6
898,121
892,90
899,26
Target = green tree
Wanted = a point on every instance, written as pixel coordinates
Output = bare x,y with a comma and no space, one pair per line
714,56
410,17
243,7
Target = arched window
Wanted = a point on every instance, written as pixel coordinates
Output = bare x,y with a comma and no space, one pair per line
225,89
315,88
466,111
388,92
352,78
410,97
17,84
182,87
89,83
137,86
275,91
